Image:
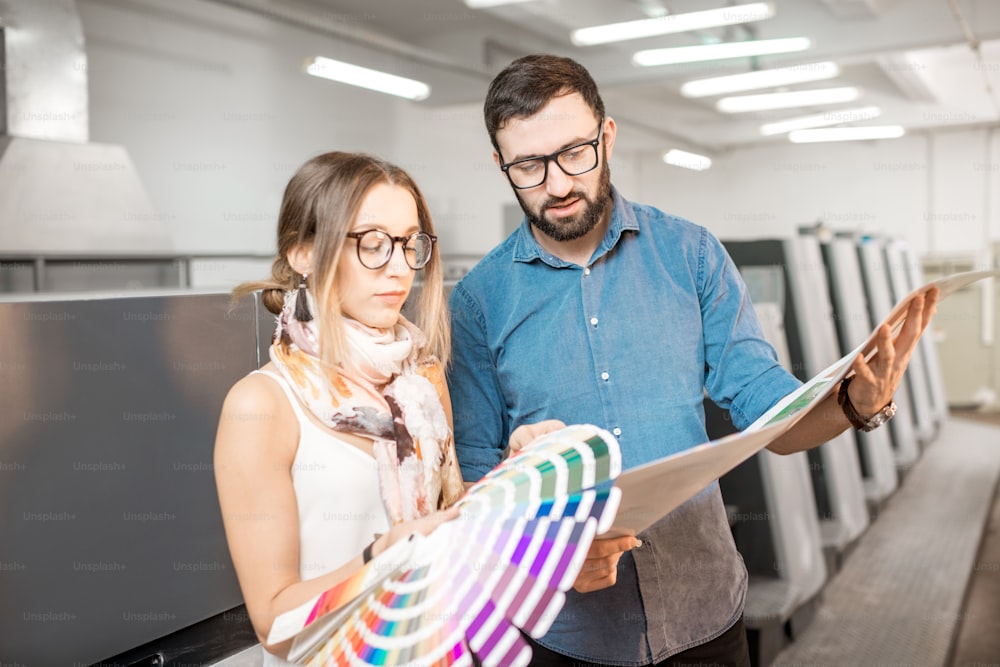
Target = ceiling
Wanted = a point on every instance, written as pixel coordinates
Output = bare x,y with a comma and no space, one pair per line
926,64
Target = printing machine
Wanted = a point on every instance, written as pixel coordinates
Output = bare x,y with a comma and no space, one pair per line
880,302
925,414
113,550
928,347
795,265
854,325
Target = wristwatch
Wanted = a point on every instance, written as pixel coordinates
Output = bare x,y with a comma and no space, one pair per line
857,421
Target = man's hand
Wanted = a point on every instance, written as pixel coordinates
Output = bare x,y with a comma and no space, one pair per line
525,433
876,381
600,570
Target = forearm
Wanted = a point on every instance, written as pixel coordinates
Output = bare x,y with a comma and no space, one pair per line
294,595
825,422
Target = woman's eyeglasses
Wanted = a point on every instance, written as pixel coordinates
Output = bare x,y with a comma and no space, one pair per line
375,248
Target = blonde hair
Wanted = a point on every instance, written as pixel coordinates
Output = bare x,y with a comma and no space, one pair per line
320,205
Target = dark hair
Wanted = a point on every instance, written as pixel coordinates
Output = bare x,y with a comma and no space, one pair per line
529,83
320,204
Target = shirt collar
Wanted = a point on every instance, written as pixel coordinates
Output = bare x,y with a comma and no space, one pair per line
527,249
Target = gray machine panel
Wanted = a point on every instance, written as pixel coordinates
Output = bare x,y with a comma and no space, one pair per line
812,346
928,347
110,530
854,325
924,416
880,303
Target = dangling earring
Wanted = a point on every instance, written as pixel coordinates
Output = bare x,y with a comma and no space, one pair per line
302,313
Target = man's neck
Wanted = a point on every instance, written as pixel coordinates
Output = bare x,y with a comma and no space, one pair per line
578,251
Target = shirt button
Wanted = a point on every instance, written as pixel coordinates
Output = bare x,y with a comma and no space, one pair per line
593,320
616,431
604,375
586,271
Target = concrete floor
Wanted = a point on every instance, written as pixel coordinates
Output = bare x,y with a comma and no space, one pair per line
977,640
922,588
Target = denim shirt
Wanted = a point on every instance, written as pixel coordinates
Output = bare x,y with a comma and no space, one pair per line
631,343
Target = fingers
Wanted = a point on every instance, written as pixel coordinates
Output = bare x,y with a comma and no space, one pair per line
886,349
877,379
931,297
428,523
917,317
425,525
615,545
600,569
597,573
525,433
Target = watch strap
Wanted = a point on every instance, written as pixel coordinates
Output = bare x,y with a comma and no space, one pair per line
858,421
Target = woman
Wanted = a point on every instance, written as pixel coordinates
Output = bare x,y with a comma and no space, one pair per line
341,445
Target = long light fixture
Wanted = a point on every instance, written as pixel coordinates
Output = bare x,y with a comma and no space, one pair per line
679,158
481,4
789,100
768,78
373,79
835,117
691,54
847,134
672,23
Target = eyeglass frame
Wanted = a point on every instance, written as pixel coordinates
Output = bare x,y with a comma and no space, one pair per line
403,240
554,157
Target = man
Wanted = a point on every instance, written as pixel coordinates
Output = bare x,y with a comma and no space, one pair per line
603,311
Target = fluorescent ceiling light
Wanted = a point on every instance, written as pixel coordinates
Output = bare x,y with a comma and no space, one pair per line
672,23
372,79
480,4
690,54
680,158
790,100
847,134
768,78
835,117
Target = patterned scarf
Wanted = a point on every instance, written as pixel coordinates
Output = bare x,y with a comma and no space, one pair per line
387,396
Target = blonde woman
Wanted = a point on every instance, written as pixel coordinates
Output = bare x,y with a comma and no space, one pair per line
342,444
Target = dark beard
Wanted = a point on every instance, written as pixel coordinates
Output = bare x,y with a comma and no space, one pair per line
573,228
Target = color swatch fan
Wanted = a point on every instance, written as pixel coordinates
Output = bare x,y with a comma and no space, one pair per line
470,587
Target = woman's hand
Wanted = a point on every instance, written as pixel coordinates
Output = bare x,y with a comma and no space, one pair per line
425,525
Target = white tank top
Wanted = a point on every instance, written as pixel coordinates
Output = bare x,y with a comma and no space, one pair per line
336,489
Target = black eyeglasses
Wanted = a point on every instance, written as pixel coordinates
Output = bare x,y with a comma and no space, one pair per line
375,248
574,160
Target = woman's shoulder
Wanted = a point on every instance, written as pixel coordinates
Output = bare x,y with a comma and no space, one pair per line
257,409
256,391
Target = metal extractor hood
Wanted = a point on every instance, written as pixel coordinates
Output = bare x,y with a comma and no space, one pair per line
58,192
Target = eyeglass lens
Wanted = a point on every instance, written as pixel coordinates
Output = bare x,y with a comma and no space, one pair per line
574,160
375,249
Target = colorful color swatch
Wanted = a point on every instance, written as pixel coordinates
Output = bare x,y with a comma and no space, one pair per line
472,586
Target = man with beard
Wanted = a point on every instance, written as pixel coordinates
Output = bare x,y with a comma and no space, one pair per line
604,311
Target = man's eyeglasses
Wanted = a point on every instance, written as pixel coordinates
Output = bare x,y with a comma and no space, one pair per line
375,248
574,160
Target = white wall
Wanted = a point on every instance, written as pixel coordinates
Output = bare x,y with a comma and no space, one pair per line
448,152
213,108
938,192
212,105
